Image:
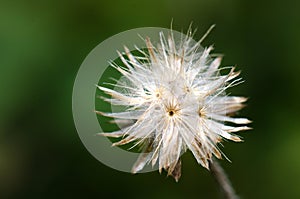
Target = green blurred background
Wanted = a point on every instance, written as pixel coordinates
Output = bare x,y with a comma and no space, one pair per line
42,45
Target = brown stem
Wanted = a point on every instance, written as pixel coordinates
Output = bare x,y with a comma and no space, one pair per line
221,178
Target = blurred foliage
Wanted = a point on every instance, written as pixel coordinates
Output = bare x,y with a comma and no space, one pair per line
43,43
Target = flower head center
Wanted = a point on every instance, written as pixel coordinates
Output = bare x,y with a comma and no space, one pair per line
171,113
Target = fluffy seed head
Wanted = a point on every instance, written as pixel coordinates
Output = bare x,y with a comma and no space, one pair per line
175,100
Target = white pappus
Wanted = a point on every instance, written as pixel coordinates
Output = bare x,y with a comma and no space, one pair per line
175,100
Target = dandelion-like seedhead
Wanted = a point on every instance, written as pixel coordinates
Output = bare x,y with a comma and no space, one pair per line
175,100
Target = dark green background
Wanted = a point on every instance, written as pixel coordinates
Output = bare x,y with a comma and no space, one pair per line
43,43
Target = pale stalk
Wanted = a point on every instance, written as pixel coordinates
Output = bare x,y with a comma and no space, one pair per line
222,180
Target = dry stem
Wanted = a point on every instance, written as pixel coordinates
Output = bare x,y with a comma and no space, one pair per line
221,178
